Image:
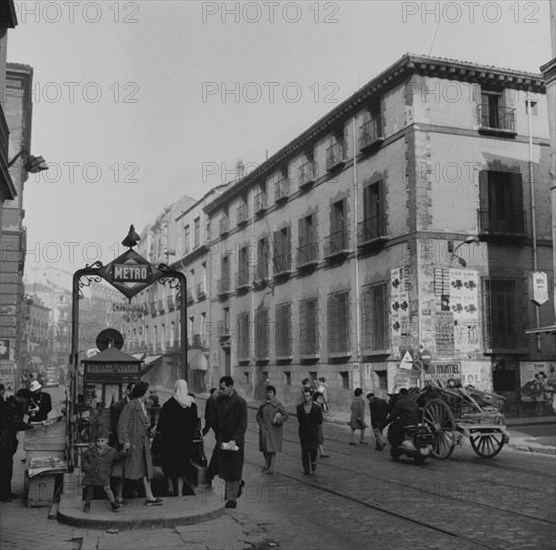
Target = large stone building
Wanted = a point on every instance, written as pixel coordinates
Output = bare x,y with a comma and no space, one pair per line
17,109
391,243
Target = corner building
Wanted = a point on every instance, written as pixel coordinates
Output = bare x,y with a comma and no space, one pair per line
399,222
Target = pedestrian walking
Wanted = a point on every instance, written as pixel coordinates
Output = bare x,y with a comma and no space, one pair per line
309,416
323,390
11,422
305,385
318,398
134,434
96,465
357,421
379,417
270,416
177,425
40,404
231,428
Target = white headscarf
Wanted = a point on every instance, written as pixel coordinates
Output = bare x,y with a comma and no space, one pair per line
181,394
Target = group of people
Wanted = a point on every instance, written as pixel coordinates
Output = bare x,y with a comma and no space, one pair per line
30,402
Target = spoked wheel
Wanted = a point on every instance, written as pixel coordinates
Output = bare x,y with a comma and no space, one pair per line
438,416
486,444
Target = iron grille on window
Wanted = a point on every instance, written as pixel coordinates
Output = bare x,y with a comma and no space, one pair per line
260,201
309,328
374,320
503,315
282,189
338,324
242,213
370,133
262,335
243,337
335,156
336,243
493,116
307,173
283,333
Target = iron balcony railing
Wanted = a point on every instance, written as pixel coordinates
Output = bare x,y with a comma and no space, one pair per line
202,289
510,224
370,134
496,118
242,278
282,189
242,214
336,243
307,173
260,202
223,285
307,254
335,156
224,225
372,229
189,295
262,270
171,303
282,263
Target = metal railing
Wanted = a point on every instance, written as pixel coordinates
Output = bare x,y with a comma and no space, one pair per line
496,117
282,189
372,229
307,253
282,263
223,285
202,289
335,156
307,173
370,133
502,224
242,278
242,214
336,243
260,201
224,225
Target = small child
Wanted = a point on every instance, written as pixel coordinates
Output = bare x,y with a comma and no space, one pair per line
97,465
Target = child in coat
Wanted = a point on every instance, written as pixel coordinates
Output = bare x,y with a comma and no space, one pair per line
97,465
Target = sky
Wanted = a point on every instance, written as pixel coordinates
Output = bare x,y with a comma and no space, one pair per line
137,103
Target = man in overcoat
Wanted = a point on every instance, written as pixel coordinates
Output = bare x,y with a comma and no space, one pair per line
309,415
231,422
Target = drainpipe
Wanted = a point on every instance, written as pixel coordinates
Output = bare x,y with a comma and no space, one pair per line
529,103
356,240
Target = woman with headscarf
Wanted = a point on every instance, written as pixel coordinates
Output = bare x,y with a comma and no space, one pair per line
177,424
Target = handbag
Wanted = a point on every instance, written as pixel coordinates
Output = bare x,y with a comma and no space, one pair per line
278,419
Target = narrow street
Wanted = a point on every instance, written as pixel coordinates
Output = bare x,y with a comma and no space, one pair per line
357,498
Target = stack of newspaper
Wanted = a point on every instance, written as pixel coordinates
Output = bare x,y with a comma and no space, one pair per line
46,464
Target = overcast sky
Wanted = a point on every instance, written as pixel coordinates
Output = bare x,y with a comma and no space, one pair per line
128,104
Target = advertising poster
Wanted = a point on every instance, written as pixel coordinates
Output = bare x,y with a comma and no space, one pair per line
399,309
538,380
464,305
443,374
7,377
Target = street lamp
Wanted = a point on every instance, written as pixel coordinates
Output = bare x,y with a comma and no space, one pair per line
453,250
32,164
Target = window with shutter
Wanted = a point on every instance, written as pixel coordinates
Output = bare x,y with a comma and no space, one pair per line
309,328
375,322
283,332
338,324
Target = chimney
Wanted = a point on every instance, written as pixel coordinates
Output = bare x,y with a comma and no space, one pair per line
240,168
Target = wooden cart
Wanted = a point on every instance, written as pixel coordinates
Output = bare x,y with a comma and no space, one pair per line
455,413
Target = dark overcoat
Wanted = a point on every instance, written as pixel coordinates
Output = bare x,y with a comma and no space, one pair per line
231,424
97,466
176,425
309,426
133,427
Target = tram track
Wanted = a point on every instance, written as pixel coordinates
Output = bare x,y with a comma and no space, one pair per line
436,495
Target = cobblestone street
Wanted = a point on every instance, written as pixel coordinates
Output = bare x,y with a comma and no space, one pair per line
357,498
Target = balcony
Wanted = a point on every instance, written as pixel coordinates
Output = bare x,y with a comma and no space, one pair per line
161,306
261,275
242,279
199,341
335,157
282,190
505,225
242,214
307,174
4,171
372,231
189,294
496,120
370,134
282,264
171,303
172,346
201,290
260,202
336,245
224,335
223,286
224,225
307,255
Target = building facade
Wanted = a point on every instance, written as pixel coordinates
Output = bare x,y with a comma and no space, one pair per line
391,243
17,109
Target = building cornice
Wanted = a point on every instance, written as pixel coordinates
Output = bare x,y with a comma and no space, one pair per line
549,71
406,66
8,16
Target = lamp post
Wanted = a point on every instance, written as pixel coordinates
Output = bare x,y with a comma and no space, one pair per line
452,250
32,164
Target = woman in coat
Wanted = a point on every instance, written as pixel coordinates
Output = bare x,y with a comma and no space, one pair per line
134,435
270,434
357,421
177,424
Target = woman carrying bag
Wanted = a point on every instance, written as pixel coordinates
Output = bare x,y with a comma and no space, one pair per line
270,417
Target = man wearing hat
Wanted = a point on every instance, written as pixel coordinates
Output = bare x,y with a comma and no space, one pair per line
40,404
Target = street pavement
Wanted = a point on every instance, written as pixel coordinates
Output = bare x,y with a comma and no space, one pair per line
358,498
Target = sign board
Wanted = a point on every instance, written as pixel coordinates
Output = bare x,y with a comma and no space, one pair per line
130,273
538,380
443,373
109,370
4,349
426,357
142,308
8,310
407,361
540,287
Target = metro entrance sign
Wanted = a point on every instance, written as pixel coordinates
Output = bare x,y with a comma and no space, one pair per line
130,273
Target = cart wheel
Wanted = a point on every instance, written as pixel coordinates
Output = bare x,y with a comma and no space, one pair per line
438,416
487,444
